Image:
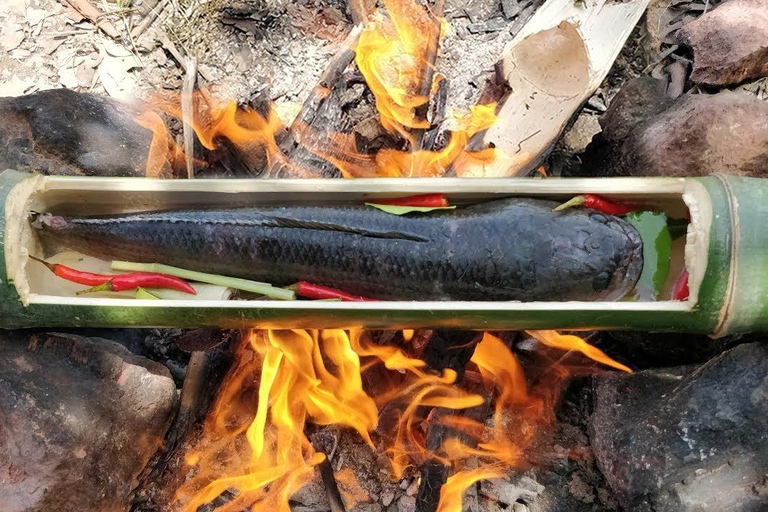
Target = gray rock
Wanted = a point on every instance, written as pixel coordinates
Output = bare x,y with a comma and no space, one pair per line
79,419
730,43
690,439
695,135
640,99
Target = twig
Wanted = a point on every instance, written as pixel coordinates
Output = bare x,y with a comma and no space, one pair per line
149,18
360,10
95,16
335,500
188,115
178,56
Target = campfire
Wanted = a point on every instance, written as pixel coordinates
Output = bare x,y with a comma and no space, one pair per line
444,435
402,389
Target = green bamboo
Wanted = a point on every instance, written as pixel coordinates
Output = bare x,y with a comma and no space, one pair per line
731,297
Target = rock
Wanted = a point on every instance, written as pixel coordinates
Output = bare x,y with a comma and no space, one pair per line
729,43
639,100
511,8
694,135
508,491
687,439
406,504
79,419
311,496
578,136
63,132
642,350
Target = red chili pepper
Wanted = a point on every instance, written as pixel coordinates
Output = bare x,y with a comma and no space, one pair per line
122,282
680,290
597,203
117,282
76,276
314,291
423,200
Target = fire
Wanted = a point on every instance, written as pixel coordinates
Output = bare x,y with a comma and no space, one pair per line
395,53
254,451
393,56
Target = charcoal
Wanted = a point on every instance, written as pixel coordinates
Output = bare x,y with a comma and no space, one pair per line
687,439
79,419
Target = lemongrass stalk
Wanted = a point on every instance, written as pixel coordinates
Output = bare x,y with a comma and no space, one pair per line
246,285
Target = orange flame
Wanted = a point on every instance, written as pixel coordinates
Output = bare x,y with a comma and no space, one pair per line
393,56
254,444
339,150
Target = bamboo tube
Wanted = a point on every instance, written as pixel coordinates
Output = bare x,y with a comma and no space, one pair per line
725,254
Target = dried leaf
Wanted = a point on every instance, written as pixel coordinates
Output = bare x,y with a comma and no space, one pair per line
114,70
15,86
141,293
12,37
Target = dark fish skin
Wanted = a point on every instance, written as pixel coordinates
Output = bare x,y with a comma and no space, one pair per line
510,249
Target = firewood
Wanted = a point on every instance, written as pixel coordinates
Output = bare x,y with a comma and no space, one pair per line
307,120
187,110
447,349
205,372
553,65
425,88
729,43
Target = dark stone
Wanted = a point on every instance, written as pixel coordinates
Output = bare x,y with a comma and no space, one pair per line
641,350
694,135
60,131
639,100
79,419
687,439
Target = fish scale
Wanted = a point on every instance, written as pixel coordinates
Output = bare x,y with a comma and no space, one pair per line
509,249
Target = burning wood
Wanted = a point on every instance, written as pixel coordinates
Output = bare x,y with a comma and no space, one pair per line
254,450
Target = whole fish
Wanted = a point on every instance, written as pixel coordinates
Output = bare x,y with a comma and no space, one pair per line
509,249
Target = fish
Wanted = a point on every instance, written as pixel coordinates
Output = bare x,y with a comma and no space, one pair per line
513,249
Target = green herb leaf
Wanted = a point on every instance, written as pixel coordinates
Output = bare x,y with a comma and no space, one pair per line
657,252
402,210
141,293
677,228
